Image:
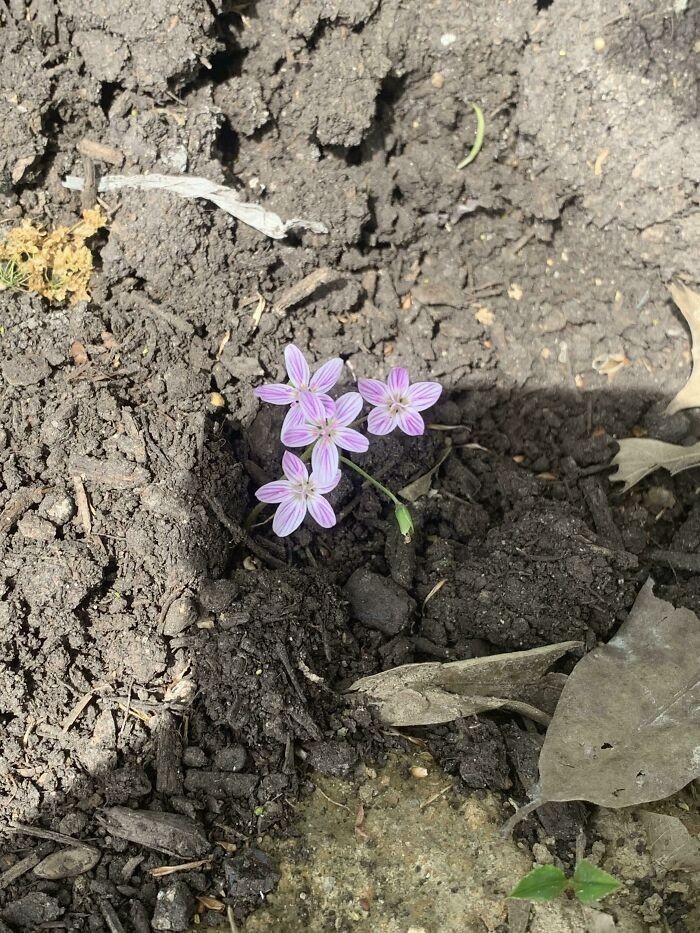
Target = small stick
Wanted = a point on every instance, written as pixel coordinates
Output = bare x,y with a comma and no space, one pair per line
426,803
77,711
111,918
81,500
330,800
88,197
22,830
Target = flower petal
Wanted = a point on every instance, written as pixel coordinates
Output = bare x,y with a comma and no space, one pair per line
347,408
273,492
276,394
289,515
324,460
313,408
373,391
294,468
328,405
293,419
327,375
381,421
350,439
397,381
321,510
411,422
297,367
422,395
298,436
328,486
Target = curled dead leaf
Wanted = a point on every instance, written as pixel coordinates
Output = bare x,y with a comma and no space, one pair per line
688,302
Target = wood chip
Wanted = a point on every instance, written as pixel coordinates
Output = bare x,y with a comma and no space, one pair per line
112,472
99,152
306,287
77,710
83,506
19,504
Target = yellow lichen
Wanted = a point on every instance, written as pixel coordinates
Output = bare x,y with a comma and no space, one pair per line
56,264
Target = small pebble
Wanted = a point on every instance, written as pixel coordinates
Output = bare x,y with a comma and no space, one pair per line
438,80
62,510
35,528
180,616
232,758
418,773
599,44
174,908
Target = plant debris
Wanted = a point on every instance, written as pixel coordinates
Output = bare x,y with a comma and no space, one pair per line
688,302
625,731
56,264
640,456
431,693
193,186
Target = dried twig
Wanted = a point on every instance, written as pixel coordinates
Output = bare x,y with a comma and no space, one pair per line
23,830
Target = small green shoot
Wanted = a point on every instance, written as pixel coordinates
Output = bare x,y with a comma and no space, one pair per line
545,883
479,138
11,276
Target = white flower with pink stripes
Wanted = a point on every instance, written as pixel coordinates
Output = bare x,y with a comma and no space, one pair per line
324,427
297,494
301,381
397,402
327,427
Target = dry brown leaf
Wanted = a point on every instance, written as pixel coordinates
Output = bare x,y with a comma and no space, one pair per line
210,903
421,486
433,692
688,302
610,364
626,730
639,456
671,846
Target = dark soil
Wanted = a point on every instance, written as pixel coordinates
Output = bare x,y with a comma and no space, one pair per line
153,655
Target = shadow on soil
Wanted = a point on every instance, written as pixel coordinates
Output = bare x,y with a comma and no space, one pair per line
216,707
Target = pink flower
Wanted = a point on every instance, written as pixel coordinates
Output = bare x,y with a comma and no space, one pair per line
300,379
298,494
397,403
326,426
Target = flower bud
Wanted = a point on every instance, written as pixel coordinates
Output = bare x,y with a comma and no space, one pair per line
404,521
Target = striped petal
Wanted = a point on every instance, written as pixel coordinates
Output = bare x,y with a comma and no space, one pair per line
297,367
321,511
380,421
294,468
288,517
293,419
411,422
327,375
328,486
347,408
314,409
276,394
324,460
422,395
398,380
273,492
300,436
373,391
349,439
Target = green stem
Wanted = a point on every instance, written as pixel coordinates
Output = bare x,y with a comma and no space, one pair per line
372,480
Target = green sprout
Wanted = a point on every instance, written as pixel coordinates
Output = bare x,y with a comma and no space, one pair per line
478,139
546,882
11,276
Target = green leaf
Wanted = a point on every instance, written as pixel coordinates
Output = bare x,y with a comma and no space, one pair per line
543,883
591,884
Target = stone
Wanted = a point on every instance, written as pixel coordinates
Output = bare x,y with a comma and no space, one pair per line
174,908
379,602
180,615
232,758
31,910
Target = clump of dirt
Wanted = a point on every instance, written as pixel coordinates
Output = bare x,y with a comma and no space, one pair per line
169,677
